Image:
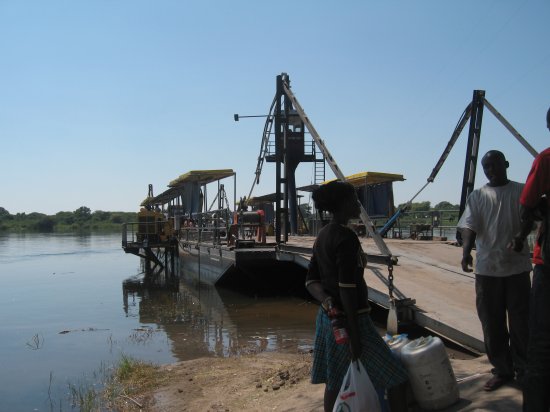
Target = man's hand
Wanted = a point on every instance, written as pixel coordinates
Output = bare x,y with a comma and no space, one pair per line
467,262
468,241
516,244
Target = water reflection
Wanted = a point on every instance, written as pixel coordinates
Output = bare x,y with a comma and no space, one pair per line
202,320
84,240
61,318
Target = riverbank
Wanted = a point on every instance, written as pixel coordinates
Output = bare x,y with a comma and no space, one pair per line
274,381
82,219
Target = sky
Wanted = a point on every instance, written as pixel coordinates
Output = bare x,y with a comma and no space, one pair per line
99,99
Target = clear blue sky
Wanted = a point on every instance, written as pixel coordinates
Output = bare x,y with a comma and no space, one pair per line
100,98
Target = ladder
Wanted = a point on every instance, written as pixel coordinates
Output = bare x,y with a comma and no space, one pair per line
382,247
319,165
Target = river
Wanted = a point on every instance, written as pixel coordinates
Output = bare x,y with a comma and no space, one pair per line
66,319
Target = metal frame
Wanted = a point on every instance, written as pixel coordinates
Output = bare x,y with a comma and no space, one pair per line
472,149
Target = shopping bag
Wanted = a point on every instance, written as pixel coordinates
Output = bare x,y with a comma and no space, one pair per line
357,393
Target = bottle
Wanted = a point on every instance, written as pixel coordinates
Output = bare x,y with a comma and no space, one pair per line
337,321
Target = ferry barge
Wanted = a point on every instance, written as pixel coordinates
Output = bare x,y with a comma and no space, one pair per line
224,246
230,245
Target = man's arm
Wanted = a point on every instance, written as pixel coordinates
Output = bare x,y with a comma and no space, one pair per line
468,242
536,186
527,222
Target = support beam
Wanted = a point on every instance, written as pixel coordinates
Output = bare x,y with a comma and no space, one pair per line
511,129
472,149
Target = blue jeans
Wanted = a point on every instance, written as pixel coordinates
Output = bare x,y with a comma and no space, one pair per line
536,390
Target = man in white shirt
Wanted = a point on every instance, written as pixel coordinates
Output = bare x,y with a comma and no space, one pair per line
491,218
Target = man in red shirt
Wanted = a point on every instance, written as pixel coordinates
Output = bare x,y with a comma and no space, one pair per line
535,200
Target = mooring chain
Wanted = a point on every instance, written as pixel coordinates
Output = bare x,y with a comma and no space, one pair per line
390,278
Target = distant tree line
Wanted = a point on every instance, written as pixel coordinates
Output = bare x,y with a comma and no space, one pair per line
427,206
443,213
84,219
81,219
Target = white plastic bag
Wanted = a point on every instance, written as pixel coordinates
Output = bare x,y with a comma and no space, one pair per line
357,393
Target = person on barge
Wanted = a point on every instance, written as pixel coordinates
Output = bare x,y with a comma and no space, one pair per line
335,278
502,282
536,207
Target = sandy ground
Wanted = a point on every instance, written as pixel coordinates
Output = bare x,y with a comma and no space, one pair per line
267,381
273,381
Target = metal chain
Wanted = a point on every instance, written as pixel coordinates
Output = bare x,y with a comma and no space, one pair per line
390,278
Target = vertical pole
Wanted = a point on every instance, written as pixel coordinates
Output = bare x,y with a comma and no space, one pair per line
221,196
472,149
290,161
204,199
166,268
292,200
285,168
278,213
173,250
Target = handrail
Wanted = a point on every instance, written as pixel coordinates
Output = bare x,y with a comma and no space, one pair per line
207,226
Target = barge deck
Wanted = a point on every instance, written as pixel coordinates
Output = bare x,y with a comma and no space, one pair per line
428,272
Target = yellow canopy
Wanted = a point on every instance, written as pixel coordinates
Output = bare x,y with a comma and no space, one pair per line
370,178
164,198
202,176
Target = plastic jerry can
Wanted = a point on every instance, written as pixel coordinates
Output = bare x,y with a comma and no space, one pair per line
396,343
431,375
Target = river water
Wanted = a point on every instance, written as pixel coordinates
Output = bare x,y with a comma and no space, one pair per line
66,319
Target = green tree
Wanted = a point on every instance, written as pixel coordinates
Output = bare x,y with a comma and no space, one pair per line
123,217
101,216
5,215
422,206
66,218
80,219
444,205
36,215
83,214
45,224
117,219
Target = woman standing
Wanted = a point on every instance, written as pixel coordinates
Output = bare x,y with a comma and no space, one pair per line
335,278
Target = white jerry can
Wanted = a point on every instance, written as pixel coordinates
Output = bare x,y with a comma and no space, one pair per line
396,343
431,375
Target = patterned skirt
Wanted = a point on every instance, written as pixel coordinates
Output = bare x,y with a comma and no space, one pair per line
331,360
